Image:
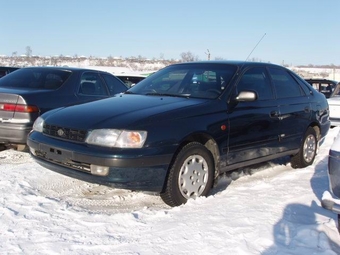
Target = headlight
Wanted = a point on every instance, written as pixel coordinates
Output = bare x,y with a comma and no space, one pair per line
38,124
117,138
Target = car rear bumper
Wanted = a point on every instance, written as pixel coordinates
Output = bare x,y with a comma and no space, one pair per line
143,170
11,133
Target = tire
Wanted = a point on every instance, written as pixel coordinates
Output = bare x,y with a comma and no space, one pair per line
191,175
308,150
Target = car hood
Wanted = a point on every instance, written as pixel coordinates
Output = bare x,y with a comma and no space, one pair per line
125,111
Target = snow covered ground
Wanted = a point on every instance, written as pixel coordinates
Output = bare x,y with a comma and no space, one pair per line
266,209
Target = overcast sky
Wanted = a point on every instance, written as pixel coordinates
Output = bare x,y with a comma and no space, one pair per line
289,32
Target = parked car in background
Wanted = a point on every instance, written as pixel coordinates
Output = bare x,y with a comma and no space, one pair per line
331,89
329,200
323,85
4,70
29,92
178,130
130,79
334,106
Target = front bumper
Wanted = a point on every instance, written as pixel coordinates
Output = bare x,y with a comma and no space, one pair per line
136,169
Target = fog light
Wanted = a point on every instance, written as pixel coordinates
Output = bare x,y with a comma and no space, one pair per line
99,170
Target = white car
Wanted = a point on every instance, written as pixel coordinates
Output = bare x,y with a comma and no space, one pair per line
334,106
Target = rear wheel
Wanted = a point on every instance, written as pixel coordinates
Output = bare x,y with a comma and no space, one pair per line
307,152
190,176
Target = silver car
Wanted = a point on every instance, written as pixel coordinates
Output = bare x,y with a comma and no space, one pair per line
334,177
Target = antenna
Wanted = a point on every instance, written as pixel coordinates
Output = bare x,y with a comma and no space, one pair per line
255,46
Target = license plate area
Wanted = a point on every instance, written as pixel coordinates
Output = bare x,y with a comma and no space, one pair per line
55,154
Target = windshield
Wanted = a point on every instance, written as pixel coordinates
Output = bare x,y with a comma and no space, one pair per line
199,80
35,78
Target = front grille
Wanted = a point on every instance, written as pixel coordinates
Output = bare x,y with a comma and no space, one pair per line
65,133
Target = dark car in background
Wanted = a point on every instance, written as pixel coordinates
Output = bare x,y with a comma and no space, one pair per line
130,79
4,70
29,92
179,129
331,89
323,85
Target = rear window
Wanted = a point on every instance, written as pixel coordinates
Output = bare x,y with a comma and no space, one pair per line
32,78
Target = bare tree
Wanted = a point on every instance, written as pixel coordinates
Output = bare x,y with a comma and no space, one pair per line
188,57
28,51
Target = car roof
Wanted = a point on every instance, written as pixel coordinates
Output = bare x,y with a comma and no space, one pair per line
9,67
320,80
65,68
239,63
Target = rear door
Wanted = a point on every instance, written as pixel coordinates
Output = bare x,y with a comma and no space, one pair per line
253,125
294,108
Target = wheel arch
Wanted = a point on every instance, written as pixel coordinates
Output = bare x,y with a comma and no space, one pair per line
317,129
206,140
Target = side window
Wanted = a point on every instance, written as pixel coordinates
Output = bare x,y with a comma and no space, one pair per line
115,86
92,84
284,83
256,79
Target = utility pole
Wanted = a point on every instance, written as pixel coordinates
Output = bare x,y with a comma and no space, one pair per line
208,53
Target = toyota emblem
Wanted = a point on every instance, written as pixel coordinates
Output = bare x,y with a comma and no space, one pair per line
61,132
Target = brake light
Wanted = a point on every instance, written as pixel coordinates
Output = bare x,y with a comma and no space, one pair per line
18,108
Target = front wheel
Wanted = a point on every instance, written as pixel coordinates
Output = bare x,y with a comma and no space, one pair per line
307,152
191,175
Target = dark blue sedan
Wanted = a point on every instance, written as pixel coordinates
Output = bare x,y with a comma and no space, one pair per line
176,131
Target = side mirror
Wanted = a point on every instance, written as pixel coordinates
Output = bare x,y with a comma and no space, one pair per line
246,96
